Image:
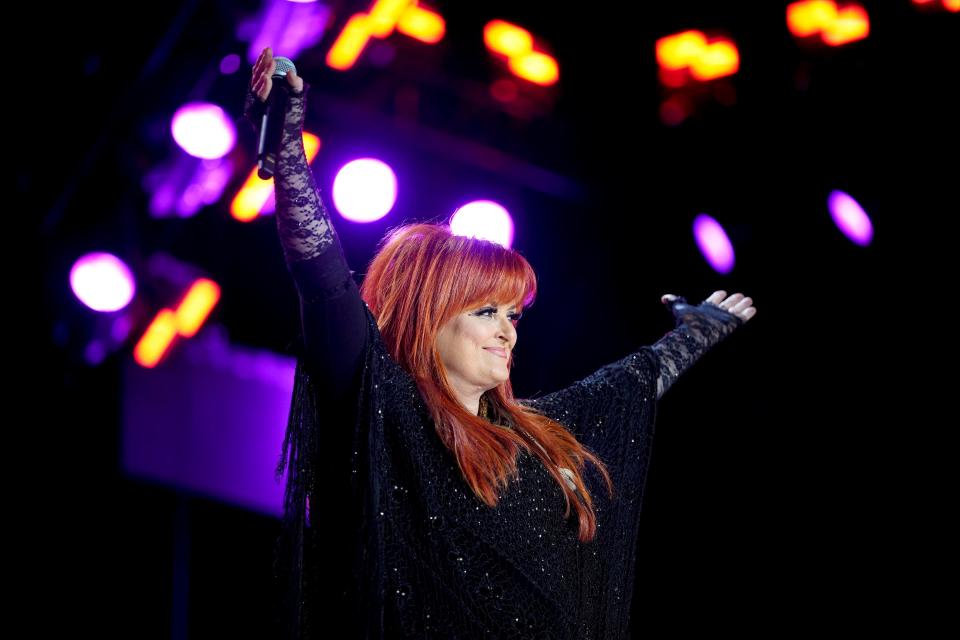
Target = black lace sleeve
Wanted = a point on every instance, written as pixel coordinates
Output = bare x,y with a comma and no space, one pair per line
332,313
698,329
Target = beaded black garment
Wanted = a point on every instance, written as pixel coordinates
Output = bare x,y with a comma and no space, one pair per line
382,536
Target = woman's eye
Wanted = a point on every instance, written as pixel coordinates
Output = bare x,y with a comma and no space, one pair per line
514,317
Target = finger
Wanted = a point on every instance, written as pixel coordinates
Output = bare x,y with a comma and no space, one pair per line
257,78
743,304
263,61
731,301
262,88
258,65
716,297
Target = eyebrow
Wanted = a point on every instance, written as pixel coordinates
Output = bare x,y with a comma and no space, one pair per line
494,304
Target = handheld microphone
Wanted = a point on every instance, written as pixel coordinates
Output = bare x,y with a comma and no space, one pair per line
271,122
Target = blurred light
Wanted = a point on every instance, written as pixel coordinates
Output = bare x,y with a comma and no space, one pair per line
536,67
102,282
156,339
713,243
483,219
350,43
184,184
836,26
689,50
196,306
426,26
385,16
850,218
252,197
674,111
504,90
95,352
184,321
680,50
365,190
516,43
203,130
808,18
229,64
673,78
288,28
718,59
852,24
507,39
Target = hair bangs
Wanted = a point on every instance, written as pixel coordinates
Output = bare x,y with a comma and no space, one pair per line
491,273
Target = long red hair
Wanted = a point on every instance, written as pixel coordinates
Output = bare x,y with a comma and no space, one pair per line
422,276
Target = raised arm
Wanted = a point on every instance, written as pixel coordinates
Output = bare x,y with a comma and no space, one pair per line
332,313
698,329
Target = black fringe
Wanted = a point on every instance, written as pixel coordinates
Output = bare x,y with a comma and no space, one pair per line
299,564
297,539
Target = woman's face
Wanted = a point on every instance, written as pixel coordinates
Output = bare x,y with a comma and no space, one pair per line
475,347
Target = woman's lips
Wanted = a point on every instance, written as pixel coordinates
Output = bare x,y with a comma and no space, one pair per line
500,352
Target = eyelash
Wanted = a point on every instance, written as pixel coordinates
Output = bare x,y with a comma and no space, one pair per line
514,317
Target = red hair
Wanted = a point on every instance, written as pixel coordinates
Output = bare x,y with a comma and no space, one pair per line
421,277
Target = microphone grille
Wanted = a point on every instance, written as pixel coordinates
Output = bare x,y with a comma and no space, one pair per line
283,65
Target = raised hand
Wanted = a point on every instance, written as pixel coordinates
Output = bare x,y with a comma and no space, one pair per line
698,329
736,304
261,79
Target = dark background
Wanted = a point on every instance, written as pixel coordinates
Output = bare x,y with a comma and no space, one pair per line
795,475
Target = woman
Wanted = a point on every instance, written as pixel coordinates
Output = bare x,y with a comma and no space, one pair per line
445,506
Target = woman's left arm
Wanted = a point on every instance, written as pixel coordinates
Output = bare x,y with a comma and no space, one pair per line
698,329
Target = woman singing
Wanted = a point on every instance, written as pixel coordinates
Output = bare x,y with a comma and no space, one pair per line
423,499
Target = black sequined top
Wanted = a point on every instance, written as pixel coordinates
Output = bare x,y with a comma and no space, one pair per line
383,538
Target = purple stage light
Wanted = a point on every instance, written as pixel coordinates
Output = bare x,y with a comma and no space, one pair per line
713,243
203,130
102,282
850,218
483,219
365,190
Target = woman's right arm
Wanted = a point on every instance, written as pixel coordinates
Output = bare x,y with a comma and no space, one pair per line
332,313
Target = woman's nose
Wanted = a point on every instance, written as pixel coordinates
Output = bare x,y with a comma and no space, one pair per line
507,331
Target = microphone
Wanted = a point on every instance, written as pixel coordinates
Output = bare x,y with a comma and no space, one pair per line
271,122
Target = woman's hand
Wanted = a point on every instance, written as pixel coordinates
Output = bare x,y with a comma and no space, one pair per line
737,304
261,80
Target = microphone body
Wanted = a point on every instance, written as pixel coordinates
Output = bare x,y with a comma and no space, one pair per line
271,121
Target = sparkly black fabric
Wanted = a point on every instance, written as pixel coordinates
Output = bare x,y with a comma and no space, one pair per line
382,536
